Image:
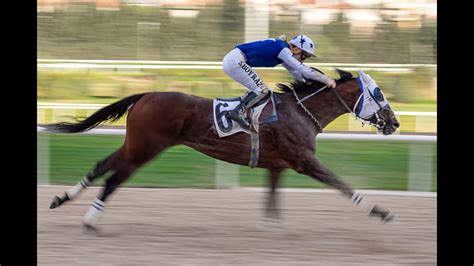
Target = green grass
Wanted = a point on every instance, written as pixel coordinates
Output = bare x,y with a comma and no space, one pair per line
363,164
96,86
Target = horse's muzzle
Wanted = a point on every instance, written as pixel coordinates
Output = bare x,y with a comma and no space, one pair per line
389,129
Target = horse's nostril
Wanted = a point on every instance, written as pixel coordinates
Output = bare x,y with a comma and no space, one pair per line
396,124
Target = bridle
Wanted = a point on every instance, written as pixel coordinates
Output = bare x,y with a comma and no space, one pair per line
375,120
300,103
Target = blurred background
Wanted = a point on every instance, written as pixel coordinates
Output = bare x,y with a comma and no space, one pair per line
92,53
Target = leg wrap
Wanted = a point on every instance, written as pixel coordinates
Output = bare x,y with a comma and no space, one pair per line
72,192
359,201
94,212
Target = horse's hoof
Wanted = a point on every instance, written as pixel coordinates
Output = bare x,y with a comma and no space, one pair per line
55,203
388,217
384,214
89,229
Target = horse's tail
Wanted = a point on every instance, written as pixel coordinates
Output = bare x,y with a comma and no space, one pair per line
110,113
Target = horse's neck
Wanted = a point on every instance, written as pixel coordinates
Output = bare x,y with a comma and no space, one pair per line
327,106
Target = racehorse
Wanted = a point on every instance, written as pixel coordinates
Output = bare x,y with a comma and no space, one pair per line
159,120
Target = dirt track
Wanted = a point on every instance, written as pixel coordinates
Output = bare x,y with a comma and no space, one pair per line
221,227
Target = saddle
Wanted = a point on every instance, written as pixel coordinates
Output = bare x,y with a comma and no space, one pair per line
262,112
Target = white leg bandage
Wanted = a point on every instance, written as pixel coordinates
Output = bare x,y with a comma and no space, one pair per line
359,201
94,212
234,65
72,192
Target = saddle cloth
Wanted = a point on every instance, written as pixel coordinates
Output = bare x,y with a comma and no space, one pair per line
226,127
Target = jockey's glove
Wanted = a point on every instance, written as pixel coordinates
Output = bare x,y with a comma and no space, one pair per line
330,83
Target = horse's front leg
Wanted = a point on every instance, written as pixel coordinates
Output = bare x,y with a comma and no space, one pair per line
270,221
271,211
311,166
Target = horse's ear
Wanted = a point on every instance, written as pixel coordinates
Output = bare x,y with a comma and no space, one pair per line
344,74
364,76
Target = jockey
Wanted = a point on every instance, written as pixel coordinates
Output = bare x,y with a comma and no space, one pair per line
238,65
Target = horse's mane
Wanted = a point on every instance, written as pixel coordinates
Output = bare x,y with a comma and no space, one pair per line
312,85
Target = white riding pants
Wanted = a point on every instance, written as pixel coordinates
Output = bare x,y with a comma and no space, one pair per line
234,65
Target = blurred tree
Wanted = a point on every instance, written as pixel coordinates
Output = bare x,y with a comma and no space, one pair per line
81,31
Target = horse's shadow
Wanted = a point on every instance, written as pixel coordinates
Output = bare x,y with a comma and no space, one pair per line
350,239
148,230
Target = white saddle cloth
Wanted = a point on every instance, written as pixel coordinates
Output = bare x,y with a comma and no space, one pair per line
226,127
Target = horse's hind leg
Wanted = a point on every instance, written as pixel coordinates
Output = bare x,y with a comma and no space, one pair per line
97,207
101,168
314,168
127,163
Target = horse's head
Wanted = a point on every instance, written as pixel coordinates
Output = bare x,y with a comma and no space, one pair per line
372,106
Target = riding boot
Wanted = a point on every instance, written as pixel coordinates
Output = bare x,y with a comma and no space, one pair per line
248,100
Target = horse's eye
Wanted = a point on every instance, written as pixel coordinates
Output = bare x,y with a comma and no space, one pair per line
378,94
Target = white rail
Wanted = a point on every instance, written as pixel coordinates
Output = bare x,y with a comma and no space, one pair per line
328,136
140,64
150,62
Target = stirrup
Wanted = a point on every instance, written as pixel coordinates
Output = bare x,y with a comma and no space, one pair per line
248,100
238,116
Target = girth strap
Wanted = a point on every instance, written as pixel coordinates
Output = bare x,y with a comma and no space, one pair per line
254,149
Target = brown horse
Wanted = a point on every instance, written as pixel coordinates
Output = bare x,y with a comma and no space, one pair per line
159,120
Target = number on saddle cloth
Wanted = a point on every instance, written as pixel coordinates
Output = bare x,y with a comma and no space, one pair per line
226,127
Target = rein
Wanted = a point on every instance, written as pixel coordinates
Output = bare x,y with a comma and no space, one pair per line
300,103
338,96
343,102
311,95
